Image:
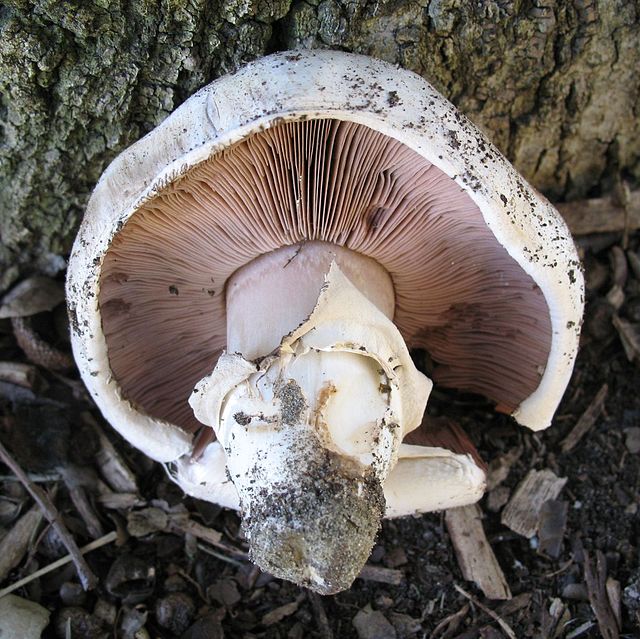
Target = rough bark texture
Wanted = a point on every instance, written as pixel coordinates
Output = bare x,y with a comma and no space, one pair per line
555,84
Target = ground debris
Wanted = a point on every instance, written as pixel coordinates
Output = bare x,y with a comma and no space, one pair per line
111,464
596,579
21,619
281,612
586,421
522,513
320,614
601,215
381,574
25,375
551,527
175,612
86,575
131,579
473,551
225,592
553,621
500,467
629,337
14,545
405,625
497,614
418,600
207,627
372,624
34,295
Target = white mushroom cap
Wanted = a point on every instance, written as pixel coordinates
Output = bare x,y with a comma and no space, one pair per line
374,103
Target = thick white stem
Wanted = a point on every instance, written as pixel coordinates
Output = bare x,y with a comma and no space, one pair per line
271,296
310,408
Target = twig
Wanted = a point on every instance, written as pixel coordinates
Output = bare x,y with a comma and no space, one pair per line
183,525
560,570
94,545
586,421
499,620
203,595
219,555
452,622
86,576
36,478
622,193
505,609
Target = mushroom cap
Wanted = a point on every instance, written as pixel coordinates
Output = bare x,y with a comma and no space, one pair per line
392,170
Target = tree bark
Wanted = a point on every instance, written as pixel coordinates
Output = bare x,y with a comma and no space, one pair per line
555,84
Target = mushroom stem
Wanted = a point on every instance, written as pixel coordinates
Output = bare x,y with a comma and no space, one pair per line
273,295
311,407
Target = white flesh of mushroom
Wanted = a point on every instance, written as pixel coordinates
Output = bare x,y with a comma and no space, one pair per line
310,408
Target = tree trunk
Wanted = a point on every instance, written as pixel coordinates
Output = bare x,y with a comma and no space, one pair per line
555,84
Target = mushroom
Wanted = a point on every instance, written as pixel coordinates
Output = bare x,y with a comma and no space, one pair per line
249,277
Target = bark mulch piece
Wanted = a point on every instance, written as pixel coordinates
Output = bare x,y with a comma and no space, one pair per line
477,561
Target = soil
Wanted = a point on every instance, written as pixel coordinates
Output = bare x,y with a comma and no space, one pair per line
156,581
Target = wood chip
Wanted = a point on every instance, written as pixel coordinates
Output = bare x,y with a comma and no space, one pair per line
551,527
381,575
580,630
188,526
146,521
119,501
586,421
372,624
15,543
500,467
596,579
601,215
554,624
614,594
632,439
475,556
634,263
20,374
21,618
113,468
629,336
497,498
280,613
522,513
33,295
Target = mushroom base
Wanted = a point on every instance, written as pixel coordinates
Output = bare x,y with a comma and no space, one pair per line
318,528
